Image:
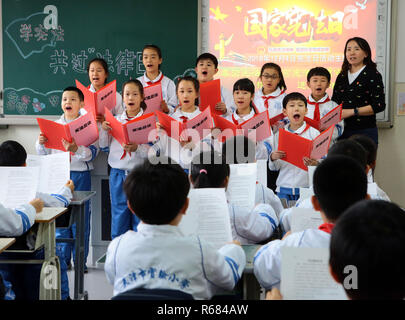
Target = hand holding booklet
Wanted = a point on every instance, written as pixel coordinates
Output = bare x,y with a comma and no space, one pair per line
332,118
83,130
153,97
207,216
96,102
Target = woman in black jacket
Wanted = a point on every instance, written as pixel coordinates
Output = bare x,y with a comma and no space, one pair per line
360,88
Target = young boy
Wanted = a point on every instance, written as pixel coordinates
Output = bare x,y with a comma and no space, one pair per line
206,67
158,255
319,103
331,199
80,164
291,178
370,236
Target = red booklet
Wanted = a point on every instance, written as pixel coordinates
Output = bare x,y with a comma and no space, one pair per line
256,128
153,97
137,130
297,147
84,130
197,128
96,102
210,95
332,118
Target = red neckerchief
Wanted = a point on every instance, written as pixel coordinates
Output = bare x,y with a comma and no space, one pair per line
326,227
125,151
317,115
234,120
160,80
306,128
184,119
266,99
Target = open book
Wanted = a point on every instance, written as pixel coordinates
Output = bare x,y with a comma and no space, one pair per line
96,102
210,95
137,130
297,147
256,128
83,130
332,118
153,97
196,128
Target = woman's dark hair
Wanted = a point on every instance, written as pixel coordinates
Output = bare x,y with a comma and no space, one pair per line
103,64
363,44
245,84
271,65
195,82
140,86
209,170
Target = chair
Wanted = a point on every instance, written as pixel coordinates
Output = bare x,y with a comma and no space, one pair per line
153,294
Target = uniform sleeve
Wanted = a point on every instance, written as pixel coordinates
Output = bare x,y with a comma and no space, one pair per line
172,101
60,199
87,153
104,140
15,222
227,98
222,268
256,225
285,222
119,106
109,266
270,198
274,165
263,149
377,95
40,149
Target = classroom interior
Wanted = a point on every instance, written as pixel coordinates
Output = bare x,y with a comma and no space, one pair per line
389,172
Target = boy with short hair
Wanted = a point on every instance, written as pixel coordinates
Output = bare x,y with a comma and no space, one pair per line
158,255
319,103
291,178
331,199
370,236
206,67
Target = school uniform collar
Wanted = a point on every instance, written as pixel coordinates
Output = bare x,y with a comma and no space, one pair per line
300,130
123,116
324,98
158,78
63,119
189,115
327,227
240,119
275,93
163,230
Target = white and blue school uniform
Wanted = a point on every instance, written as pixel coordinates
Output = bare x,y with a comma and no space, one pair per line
267,261
81,164
121,163
324,105
168,89
160,256
252,226
227,98
273,102
291,178
266,195
263,148
119,106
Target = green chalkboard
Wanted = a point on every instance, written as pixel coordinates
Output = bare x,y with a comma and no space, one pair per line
45,52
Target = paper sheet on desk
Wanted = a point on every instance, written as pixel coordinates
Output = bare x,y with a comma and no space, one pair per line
54,170
241,189
208,216
304,218
305,275
18,185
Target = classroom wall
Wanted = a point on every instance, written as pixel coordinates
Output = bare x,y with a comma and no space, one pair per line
390,171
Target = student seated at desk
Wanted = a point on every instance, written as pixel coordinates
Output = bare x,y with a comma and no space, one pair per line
158,255
338,183
248,227
13,154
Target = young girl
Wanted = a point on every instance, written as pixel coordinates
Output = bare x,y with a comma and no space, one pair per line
248,227
152,59
243,95
98,73
122,158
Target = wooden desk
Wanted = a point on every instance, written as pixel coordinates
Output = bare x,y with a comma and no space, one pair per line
5,243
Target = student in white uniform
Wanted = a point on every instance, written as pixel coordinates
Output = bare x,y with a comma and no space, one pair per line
122,158
97,69
158,255
370,235
240,149
248,226
333,195
291,178
270,96
206,67
319,103
351,148
152,59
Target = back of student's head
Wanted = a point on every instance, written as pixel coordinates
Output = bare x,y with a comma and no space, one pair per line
157,191
349,148
293,96
77,90
318,71
209,170
239,149
369,145
12,154
370,237
207,56
338,183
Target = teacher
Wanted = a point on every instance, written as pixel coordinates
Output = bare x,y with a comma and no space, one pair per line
359,87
